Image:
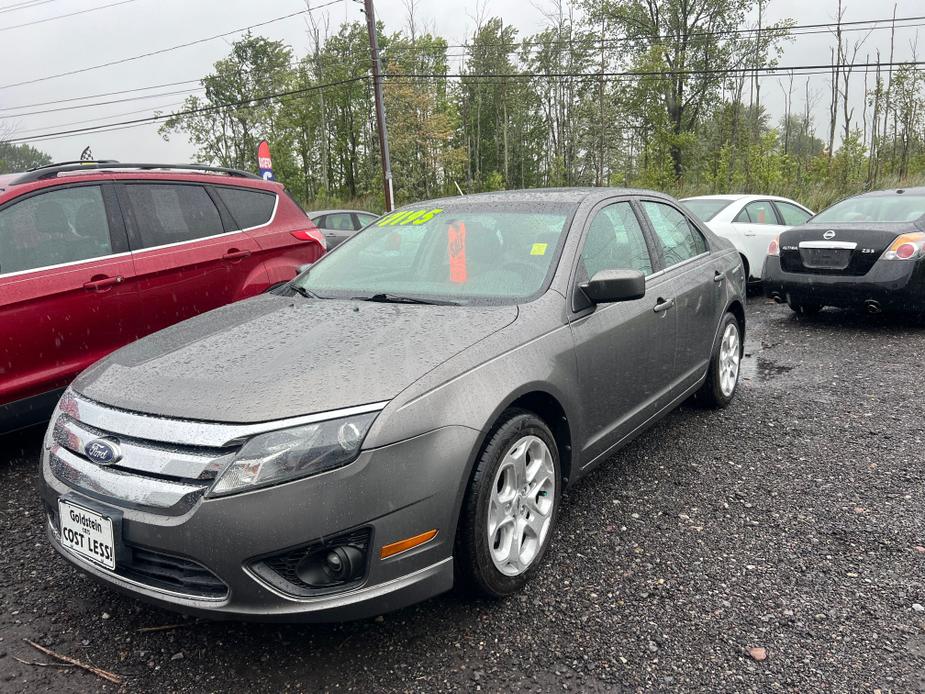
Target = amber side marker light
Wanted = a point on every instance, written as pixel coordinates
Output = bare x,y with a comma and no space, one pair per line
404,545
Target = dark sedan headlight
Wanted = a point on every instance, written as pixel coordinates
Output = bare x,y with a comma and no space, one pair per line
288,454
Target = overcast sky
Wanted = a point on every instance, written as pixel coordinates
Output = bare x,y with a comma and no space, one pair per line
133,27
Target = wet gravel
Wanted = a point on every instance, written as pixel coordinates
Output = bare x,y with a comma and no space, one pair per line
779,544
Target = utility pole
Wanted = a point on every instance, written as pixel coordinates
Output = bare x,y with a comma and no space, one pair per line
380,107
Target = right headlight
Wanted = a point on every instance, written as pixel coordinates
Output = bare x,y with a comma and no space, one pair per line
288,454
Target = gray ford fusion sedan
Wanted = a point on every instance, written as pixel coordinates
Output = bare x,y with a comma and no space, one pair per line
406,412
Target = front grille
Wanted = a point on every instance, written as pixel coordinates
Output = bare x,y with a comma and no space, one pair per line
170,573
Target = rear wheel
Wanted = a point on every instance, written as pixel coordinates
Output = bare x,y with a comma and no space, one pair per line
510,507
802,309
723,375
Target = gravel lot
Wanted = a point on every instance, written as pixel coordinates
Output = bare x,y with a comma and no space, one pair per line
790,522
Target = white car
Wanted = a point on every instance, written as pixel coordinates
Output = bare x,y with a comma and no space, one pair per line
751,222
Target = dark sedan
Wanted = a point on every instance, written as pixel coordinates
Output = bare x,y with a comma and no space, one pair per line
864,252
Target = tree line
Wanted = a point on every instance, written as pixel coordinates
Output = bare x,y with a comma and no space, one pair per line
665,94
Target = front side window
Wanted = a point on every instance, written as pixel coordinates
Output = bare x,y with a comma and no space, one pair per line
758,212
166,213
615,242
61,226
678,239
463,253
248,208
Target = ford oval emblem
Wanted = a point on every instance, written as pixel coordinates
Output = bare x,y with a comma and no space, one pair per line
829,235
103,451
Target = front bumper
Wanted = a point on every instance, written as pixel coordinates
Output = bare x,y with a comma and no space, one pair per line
893,285
393,492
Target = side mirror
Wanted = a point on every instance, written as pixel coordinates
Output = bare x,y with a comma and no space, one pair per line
615,285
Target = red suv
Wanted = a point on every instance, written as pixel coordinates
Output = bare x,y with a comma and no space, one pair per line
96,255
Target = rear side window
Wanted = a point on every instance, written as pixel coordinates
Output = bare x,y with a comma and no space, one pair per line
791,214
366,219
61,226
249,208
679,240
167,213
758,212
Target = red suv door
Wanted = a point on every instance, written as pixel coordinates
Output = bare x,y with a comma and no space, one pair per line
187,259
67,294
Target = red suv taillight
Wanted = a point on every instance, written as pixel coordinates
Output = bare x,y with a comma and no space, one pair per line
310,235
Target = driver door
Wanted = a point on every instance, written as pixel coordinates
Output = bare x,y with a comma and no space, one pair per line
625,350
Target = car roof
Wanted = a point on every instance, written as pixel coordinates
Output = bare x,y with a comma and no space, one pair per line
318,213
893,191
564,195
12,185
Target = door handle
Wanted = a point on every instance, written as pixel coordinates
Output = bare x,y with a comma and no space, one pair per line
719,276
663,305
101,284
235,254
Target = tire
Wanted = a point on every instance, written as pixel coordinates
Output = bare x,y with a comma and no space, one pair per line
480,556
804,310
723,374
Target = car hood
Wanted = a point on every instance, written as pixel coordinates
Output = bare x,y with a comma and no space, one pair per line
274,357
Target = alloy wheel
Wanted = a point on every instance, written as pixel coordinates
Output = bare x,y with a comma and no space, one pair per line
521,505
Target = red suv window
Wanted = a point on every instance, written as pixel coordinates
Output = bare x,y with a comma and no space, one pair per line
55,227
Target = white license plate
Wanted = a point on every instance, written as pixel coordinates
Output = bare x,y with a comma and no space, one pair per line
87,533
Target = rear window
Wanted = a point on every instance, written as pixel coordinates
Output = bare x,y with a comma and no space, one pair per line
874,208
706,209
249,208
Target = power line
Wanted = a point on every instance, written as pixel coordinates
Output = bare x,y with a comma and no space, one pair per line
188,112
171,48
63,16
95,96
24,5
105,103
483,78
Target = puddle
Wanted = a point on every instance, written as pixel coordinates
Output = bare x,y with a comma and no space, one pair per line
758,368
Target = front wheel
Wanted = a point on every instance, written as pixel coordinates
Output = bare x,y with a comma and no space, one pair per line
723,375
510,507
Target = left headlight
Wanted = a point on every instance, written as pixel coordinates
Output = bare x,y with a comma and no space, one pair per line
288,454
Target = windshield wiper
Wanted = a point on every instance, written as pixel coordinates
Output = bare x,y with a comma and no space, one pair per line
307,293
399,299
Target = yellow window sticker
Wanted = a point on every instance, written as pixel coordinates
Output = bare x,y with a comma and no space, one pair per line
538,249
414,217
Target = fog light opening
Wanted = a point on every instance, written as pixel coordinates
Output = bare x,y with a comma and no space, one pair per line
332,566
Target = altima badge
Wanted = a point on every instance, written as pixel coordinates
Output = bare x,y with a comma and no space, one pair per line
829,235
103,452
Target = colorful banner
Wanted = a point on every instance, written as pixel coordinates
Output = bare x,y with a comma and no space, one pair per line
264,163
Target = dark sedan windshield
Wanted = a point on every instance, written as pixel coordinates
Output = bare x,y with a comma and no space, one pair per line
706,208
464,252
874,208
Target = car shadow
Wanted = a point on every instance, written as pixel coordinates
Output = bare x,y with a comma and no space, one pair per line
847,319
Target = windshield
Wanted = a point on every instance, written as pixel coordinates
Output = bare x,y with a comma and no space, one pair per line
874,208
459,253
706,208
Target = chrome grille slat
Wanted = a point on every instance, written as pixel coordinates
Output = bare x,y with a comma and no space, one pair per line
153,458
137,490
